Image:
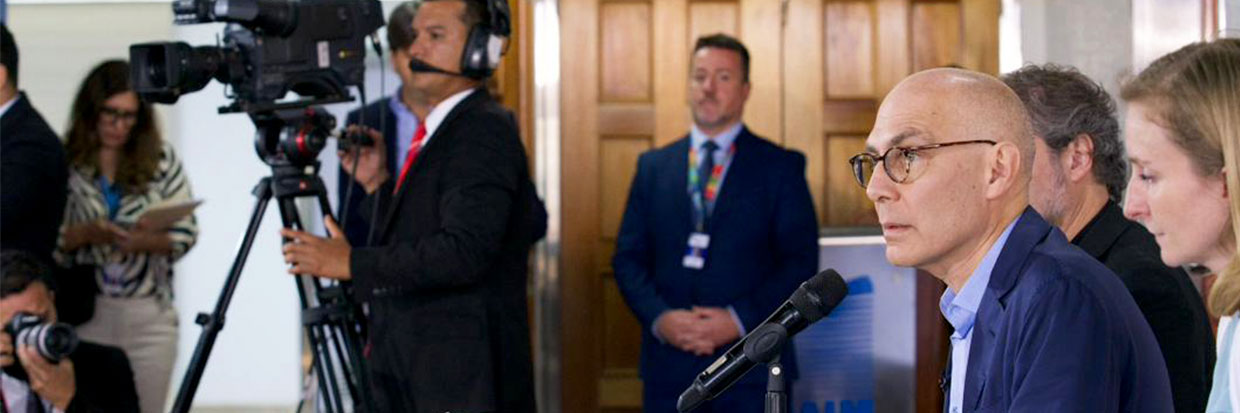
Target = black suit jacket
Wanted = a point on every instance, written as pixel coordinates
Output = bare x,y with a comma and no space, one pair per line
34,176
446,282
104,380
377,115
1166,298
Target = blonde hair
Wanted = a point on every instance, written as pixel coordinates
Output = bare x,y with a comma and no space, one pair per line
1197,92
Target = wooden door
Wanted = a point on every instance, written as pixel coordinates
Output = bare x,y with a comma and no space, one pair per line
819,69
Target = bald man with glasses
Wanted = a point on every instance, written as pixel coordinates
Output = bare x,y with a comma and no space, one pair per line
1039,325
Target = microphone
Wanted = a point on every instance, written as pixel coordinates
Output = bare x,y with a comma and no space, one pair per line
418,66
813,300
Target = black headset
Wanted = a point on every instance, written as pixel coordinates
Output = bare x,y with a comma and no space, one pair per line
486,42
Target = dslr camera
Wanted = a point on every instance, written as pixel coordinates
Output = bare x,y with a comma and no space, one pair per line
53,341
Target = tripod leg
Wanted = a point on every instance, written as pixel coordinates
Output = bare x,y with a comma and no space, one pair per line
315,333
351,332
214,322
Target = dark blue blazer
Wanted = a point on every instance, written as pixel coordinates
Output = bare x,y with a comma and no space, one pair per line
1057,331
378,116
763,245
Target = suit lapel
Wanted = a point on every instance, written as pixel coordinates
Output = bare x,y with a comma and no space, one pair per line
740,175
439,139
1030,229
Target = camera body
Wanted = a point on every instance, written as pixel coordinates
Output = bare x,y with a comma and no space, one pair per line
314,48
53,341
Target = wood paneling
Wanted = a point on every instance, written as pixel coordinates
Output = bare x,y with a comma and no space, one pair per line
893,44
850,49
936,35
626,118
710,17
981,51
626,51
849,116
846,202
671,68
620,391
760,31
580,361
803,102
618,157
621,348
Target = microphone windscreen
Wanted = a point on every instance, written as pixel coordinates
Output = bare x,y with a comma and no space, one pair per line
819,295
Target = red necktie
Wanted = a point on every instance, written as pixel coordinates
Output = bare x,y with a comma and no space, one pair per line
418,137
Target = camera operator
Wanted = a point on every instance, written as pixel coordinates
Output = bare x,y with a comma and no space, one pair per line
92,378
446,280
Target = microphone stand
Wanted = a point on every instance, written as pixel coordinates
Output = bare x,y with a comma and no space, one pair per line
776,388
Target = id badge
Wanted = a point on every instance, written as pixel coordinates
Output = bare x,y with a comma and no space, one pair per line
695,254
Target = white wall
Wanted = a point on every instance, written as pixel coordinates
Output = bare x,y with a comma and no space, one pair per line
257,358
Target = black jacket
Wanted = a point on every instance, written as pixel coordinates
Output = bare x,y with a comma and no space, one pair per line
34,176
104,380
446,282
378,116
1166,297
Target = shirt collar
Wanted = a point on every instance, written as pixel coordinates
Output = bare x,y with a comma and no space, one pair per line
960,310
9,105
441,111
398,106
724,140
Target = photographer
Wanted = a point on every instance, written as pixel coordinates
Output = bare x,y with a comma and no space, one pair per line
446,280
92,377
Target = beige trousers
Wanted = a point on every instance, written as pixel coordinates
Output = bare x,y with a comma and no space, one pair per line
146,329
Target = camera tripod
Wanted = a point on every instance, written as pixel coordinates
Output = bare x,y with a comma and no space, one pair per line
332,321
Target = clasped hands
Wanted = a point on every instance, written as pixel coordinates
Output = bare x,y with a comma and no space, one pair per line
700,330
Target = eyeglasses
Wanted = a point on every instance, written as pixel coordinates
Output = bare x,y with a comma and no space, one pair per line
898,164
114,115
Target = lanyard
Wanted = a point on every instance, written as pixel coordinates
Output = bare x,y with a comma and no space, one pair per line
704,201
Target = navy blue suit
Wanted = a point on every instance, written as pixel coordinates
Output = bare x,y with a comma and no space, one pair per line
763,245
378,116
1057,331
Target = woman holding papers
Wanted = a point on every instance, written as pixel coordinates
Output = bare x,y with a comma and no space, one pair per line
128,219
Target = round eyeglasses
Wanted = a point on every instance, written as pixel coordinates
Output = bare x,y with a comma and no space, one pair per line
898,164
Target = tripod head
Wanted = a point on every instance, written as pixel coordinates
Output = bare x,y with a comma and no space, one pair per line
293,136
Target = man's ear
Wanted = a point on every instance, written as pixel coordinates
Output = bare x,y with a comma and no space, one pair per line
1077,159
4,77
1002,168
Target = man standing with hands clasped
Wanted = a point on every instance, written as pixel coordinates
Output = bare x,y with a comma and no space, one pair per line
719,229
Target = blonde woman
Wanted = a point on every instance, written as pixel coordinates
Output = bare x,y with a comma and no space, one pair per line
119,168
1182,133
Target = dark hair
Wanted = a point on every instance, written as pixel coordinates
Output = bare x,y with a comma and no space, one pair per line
1062,104
8,53
19,269
400,25
140,156
723,41
475,12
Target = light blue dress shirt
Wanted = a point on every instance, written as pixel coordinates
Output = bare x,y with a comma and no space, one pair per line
406,124
960,310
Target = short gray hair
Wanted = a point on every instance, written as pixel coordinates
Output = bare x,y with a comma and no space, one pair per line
1063,103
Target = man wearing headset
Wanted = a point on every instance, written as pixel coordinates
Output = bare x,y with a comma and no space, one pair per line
446,278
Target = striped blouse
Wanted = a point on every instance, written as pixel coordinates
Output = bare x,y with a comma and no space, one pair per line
135,274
